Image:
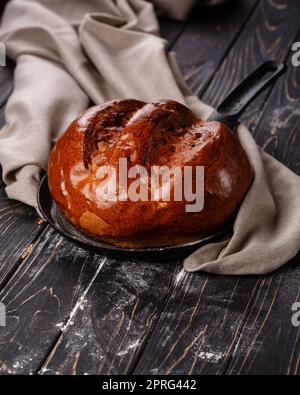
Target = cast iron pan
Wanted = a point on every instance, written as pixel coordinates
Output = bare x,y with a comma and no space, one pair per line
229,113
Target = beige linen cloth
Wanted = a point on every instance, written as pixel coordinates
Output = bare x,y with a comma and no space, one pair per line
70,53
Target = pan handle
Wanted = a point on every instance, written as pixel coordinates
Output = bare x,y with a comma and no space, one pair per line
231,109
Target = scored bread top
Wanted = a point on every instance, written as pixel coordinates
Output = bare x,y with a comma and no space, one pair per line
163,133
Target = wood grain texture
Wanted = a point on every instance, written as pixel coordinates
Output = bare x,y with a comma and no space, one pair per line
269,344
198,329
266,36
278,130
197,350
19,227
39,300
208,36
118,314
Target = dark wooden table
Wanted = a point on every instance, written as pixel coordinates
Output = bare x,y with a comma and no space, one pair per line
73,312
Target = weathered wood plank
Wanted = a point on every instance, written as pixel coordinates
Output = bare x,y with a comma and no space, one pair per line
269,343
50,289
207,38
120,310
19,227
266,36
208,335
198,329
39,299
278,131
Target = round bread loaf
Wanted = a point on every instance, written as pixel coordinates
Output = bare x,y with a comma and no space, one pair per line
163,133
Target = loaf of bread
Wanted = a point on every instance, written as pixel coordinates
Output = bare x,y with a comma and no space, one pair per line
163,133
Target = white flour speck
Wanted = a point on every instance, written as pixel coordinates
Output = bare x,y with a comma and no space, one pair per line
211,356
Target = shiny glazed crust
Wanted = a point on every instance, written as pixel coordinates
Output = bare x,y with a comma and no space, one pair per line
160,133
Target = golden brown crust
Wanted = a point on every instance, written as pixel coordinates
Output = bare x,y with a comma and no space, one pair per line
161,133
